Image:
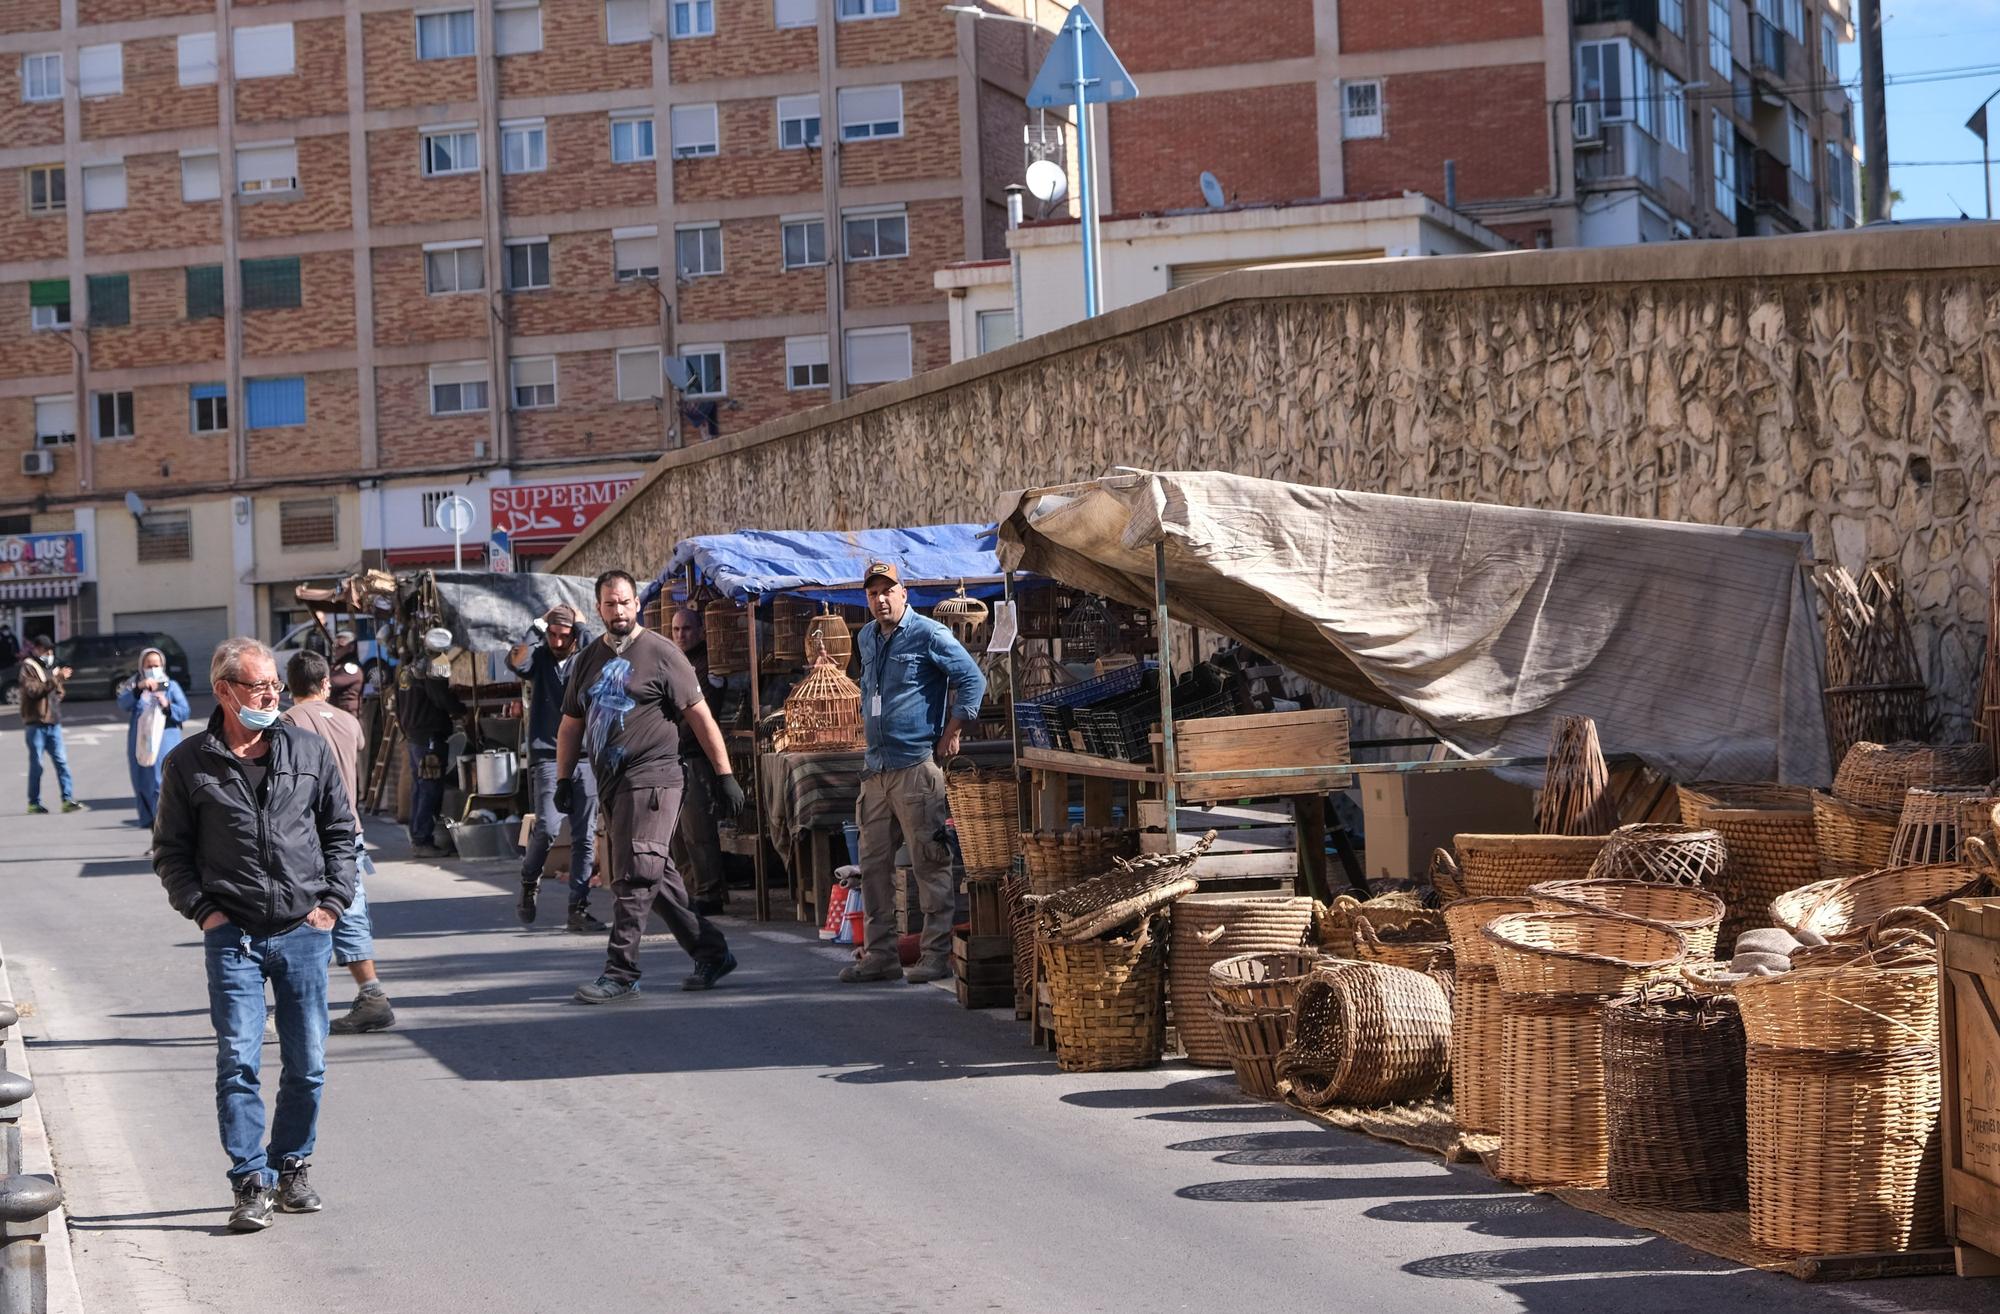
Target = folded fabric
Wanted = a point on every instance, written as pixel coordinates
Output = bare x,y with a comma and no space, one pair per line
1768,940
1760,964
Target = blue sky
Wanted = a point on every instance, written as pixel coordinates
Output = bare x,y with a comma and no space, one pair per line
1930,38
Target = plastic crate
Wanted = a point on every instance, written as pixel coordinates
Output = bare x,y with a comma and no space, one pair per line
1046,724
1122,728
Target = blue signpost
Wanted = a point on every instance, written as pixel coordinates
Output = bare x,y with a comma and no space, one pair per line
1082,71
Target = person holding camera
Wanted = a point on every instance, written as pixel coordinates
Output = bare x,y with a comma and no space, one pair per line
157,705
544,659
41,716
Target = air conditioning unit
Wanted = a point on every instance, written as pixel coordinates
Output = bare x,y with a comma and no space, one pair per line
39,461
1586,124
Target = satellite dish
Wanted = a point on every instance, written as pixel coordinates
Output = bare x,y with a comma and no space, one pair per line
135,504
1211,191
677,372
1047,182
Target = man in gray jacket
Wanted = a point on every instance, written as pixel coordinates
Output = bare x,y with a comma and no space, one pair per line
254,842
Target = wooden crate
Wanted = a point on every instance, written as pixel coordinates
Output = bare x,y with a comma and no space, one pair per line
986,904
1969,1017
982,968
1273,739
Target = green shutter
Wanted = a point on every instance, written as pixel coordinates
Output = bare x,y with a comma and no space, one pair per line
48,292
204,292
271,284
110,300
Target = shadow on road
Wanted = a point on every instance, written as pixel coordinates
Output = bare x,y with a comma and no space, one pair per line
137,1223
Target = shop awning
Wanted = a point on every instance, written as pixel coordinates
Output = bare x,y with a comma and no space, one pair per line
1693,646
38,590
829,565
489,613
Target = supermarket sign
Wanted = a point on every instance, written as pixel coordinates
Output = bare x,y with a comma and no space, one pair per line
551,514
40,556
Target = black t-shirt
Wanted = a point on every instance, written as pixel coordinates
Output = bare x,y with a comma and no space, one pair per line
630,706
255,769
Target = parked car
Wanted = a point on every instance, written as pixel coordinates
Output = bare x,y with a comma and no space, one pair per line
99,662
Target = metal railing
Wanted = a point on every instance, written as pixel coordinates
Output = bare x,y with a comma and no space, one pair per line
1642,14
26,1200
1767,46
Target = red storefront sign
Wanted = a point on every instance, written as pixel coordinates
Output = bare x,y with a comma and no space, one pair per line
549,515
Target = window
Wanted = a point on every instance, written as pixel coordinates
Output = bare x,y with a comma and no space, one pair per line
706,376
100,71
698,251
1673,17
201,176
804,242
627,20
867,8
276,403
1600,76
798,122
454,267
104,187
639,374
431,502
875,235
1725,165
42,76
695,131
870,112
524,146
110,299
805,363
517,28
533,379
1798,135
1361,109
693,18
450,150
263,52
527,264
631,139
1794,19
271,284
166,536
308,522
1673,112
1829,49
794,13
1719,38
196,51
48,190
55,421
996,330
458,389
266,168
635,253
880,355
48,304
1840,187
1645,105
208,408
110,415
446,35
204,291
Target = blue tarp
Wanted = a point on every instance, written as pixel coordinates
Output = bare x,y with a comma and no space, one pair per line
828,565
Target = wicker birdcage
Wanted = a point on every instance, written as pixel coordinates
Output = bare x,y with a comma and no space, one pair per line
1040,675
824,709
1088,631
726,626
967,618
827,630
788,632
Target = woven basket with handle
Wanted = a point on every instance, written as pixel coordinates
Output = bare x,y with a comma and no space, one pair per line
1206,931
1418,943
985,810
1851,837
1696,914
1879,775
1107,996
1845,909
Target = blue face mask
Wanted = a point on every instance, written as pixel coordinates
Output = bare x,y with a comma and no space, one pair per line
257,718
153,673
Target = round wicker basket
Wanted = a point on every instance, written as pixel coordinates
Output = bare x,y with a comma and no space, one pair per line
1206,931
1846,908
985,811
1767,835
1662,854
1466,920
1504,866
1368,1034
1107,997
1581,954
1851,837
1476,1048
1674,1102
1696,914
1879,775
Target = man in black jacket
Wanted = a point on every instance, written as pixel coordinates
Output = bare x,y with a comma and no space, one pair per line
254,842
426,709
546,666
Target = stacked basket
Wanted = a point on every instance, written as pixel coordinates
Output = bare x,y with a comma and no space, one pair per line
1251,997
1368,1034
1061,858
1855,826
1696,914
1673,1100
1206,931
1767,832
1476,1069
1846,909
985,811
1504,866
1418,942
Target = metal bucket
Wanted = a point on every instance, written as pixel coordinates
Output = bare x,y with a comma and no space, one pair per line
495,772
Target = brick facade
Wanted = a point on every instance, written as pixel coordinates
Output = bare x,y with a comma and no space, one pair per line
162,447
1150,35
588,416
323,203
1501,144
160,332
1261,142
17,419
31,15
937,237
317,86
323,319
750,162
918,30
928,147
26,123
126,11
397,79
583,294
411,435
154,100
25,236
155,217
1389,25
580,173
329,440
575,58
747,44
406,313
398,192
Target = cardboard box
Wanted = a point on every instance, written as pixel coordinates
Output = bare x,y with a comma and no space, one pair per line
1406,815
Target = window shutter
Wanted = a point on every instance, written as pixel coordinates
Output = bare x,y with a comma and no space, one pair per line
110,299
204,291
271,284
264,52
275,403
48,292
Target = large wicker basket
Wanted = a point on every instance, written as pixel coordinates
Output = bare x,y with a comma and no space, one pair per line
1879,775
1262,980
985,810
1937,820
1252,997
1767,834
1418,943
1662,854
1696,914
1465,920
1673,1102
1206,931
1057,859
1851,837
1501,866
1477,1027
725,627
1334,927
1581,955
1368,1034
1108,998
1846,908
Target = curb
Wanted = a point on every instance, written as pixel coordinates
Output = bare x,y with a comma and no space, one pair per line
65,1297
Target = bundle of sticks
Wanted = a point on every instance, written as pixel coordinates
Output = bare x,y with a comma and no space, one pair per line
1576,791
1874,689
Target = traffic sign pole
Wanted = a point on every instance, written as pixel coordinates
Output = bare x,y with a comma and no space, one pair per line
1080,72
1093,292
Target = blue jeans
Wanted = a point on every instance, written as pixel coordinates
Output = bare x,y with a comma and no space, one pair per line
295,965
426,798
47,739
548,819
354,933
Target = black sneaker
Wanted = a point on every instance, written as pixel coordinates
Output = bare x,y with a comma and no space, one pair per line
582,923
37,810
712,907
606,991
525,909
253,1206
705,975
368,1013
295,1193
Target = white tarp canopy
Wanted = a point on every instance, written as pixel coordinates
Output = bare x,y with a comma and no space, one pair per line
1693,646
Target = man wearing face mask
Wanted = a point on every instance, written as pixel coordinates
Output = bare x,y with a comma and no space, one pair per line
255,845
426,708
546,666
41,715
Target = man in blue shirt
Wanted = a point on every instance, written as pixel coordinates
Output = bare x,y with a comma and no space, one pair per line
546,666
919,690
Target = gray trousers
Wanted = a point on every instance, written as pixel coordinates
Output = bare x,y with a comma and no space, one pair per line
582,827
698,844
912,798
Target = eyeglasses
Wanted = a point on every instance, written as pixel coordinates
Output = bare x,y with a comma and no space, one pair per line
269,688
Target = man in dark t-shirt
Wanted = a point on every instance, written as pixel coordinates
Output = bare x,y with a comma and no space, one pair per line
630,696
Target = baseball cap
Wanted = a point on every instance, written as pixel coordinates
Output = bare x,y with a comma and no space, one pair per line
562,614
885,569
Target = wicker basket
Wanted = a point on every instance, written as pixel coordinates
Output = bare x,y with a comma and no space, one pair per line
1696,914
823,710
1936,821
986,812
1879,775
1503,866
1021,925
1846,908
1476,1033
1254,1038
1107,997
1767,831
725,625
1418,943
1662,854
1264,980
1122,896
1581,955
1368,1034
1851,838
1334,928
1673,1102
1058,859
829,630
1206,931
1551,1091
1465,920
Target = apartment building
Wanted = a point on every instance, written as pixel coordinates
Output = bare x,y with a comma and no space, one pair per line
296,273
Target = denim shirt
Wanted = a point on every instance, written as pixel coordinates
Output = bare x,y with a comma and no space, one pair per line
903,684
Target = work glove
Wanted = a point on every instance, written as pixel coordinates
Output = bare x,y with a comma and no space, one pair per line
728,799
565,794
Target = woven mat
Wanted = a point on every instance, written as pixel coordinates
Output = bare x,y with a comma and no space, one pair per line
1423,1125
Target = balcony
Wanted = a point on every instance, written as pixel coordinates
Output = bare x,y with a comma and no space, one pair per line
1767,48
1773,192
1642,14
1626,155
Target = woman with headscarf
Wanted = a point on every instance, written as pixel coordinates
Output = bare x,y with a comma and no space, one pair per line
151,688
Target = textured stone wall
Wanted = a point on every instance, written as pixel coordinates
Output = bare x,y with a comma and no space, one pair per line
1847,386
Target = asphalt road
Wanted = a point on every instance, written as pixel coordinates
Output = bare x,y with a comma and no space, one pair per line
781,1143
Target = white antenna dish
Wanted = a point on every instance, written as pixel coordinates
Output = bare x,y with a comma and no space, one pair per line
1047,182
135,504
677,372
1211,191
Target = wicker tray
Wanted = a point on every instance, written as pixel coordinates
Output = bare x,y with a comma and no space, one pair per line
1674,1101
1368,1033
1107,997
1125,894
1662,854
1333,929
1696,914
1845,908
1580,954
1206,931
1503,866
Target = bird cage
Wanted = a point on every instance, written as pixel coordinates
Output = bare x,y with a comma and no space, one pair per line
966,617
1088,630
789,618
829,631
726,627
824,709
653,615
1041,676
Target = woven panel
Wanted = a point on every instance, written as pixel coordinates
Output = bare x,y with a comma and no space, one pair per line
1504,866
1853,1008
823,710
1851,838
1206,931
1673,1096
